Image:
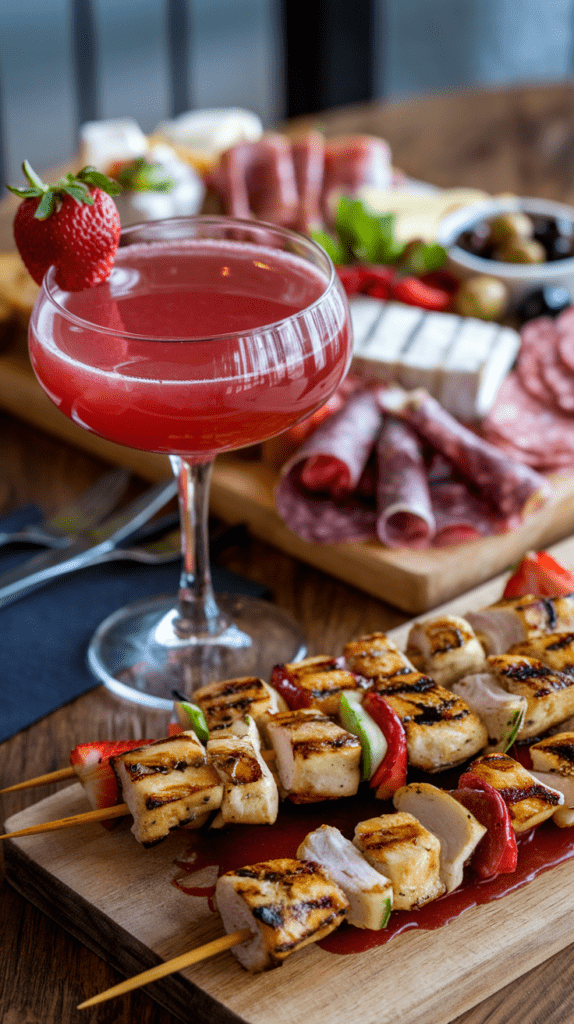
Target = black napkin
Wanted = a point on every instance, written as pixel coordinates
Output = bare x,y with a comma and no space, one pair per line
44,637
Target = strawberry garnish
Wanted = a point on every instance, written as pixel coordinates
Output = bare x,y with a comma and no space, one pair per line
74,225
540,574
91,762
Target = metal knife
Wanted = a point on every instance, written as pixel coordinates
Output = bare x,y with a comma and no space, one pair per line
59,530
50,564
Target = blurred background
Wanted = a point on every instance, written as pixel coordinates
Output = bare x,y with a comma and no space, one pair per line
63,62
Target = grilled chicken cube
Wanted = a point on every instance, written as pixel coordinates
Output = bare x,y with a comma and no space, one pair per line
549,695
515,619
316,759
369,893
441,730
375,657
403,850
446,648
285,903
250,793
528,801
316,682
502,713
455,827
553,764
554,649
224,702
167,784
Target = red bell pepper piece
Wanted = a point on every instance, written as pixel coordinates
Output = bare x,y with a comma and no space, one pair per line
414,292
540,574
392,771
497,852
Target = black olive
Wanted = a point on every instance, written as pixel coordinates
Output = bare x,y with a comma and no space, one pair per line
559,248
548,301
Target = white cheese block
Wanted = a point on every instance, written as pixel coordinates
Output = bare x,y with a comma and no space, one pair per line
105,142
365,312
461,361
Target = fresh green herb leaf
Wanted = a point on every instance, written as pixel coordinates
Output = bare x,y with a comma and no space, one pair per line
332,246
141,176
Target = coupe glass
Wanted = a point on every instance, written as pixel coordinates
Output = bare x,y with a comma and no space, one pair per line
211,334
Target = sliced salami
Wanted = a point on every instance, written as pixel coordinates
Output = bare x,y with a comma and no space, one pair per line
558,378
511,487
333,459
319,518
462,516
535,337
404,513
530,431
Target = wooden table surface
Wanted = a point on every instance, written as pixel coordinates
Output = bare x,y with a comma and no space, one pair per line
519,140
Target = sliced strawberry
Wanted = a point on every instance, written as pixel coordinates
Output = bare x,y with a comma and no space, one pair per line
497,852
540,574
414,292
91,762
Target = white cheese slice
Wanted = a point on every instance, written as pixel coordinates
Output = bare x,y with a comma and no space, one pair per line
474,367
382,351
210,132
365,312
421,362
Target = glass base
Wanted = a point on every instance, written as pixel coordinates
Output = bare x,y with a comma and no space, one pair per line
137,653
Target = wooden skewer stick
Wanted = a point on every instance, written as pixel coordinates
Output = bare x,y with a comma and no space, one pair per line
193,956
69,773
42,780
102,814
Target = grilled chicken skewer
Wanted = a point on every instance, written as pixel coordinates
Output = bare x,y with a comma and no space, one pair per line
514,620
445,648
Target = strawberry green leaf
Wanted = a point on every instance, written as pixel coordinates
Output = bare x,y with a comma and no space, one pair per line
91,176
46,206
81,195
32,177
142,176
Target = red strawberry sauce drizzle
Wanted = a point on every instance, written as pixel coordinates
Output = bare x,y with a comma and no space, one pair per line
538,851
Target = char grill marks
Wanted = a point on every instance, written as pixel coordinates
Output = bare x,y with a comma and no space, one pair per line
225,702
167,784
515,620
314,682
447,648
528,801
441,730
316,759
549,694
286,903
554,649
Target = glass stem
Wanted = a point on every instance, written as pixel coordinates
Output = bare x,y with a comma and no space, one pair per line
199,613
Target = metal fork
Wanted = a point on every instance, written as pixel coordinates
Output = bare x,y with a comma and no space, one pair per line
89,510
156,552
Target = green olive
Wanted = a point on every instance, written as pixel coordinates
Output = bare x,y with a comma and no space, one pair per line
509,226
522,250
481,296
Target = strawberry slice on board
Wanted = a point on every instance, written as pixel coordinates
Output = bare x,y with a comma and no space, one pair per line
73,225
540,574
91,763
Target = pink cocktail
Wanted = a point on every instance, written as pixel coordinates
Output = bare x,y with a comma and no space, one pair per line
210,335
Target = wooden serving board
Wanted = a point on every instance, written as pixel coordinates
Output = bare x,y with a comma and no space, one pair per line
242,491
118,899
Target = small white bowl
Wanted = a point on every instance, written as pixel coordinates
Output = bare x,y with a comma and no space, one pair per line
520,278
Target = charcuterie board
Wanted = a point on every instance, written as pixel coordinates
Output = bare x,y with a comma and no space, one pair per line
242,491
119,900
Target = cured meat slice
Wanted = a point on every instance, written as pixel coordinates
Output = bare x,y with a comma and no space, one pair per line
404,513
314,494
461,516
530,431
352,161
334,457
535,339
511,487
308,152
257,179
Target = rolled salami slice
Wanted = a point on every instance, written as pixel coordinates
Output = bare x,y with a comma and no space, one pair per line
461,516
314,494
404,513
510,487
332,460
